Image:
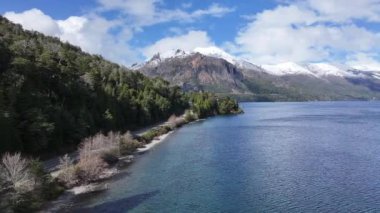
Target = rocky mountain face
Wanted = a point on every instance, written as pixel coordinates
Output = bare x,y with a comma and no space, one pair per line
197,72
211,69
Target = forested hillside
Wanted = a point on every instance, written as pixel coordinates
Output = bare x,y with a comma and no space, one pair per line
52,94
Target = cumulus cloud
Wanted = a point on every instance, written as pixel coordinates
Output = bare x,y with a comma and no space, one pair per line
306,31
91,33
35,19
343,10
299,30
364,61
186,42
112,37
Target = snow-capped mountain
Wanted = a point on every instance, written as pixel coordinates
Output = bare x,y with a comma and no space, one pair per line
161,57
211,51
213,69
216,53
287,68
318,70
324,69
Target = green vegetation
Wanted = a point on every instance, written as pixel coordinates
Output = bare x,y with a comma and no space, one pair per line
157,131
206,104
52,95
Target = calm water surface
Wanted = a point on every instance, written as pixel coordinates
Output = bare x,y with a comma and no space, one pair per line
277,157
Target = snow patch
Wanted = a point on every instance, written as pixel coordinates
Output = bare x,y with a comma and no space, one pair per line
324,69
318,70
216,53
287,68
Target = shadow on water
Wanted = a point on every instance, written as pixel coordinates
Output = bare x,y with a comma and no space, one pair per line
119,206
121,175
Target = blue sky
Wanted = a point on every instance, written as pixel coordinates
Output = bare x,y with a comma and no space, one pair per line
262,31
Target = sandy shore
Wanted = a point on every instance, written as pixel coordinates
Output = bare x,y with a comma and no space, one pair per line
154,142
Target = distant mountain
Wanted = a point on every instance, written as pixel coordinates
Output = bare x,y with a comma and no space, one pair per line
212,69
196,71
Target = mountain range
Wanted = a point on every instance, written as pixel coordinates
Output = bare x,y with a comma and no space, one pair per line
212,69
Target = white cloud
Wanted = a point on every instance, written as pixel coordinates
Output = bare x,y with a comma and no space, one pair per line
343,10
304,32
364,61
35,19
300,30
110,38
214,10
186,42
138,8
91,33
149,12
142,11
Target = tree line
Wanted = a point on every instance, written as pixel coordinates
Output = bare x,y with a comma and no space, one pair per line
52,94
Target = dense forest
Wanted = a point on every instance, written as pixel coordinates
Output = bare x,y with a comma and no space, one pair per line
52,94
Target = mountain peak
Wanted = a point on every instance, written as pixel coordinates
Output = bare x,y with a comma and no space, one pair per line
173,53
216,52
318,70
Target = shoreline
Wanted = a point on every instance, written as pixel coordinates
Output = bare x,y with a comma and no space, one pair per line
102,183
63,201
153,143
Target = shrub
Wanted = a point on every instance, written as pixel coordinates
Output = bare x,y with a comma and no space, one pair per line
152,133
128,144
190,116
163,130
25,202
46,187
149,135
99,143
91,150
67,173
16,173
172,121
90,167
29,185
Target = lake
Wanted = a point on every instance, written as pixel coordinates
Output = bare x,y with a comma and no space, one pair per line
276,157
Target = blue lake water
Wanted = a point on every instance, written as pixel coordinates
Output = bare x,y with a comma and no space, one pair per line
277,157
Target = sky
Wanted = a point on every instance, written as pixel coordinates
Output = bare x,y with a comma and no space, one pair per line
261,31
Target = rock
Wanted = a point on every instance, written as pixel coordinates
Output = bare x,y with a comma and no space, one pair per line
89,188
125,161
108,173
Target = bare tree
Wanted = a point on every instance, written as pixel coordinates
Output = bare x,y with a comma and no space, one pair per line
15,171
99,144
91,167
128,144
114,142
128,137
172,121
67,174
91,150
